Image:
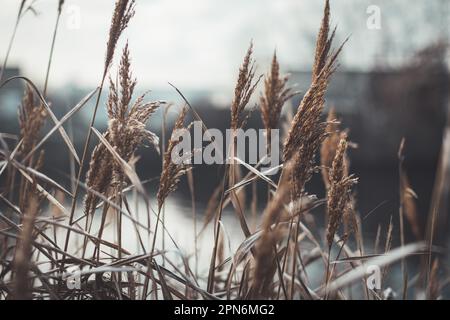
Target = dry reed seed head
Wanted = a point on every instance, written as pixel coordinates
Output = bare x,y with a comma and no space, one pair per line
350,218
305,162
127,123
329,145
338,170
310,109
323,42
274,96
98,177
339,192
307,130
113,98
31,119
244,89
126,132
127,83
286,124
28,187
123,12
172,172
307,120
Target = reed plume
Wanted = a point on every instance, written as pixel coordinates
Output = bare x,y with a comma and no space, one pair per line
350,217
123,12
245,86
327,154
323,42
172,172
31,120
339,191
329,146
126,132
275,94
307,130
244,89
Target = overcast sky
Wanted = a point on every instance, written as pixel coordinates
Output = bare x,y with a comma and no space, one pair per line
199,44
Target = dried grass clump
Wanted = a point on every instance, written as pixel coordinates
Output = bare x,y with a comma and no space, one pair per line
276,93
126,132
279,259
339,192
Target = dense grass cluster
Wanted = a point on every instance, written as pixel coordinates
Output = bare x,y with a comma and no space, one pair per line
285,254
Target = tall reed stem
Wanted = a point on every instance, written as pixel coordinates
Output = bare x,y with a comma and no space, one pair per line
52,48
8,51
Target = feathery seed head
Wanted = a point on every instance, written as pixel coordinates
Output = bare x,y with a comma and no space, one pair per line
329,145
172,172
126,132
307,130
123,12
275,94
244,89
339,192
31,120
